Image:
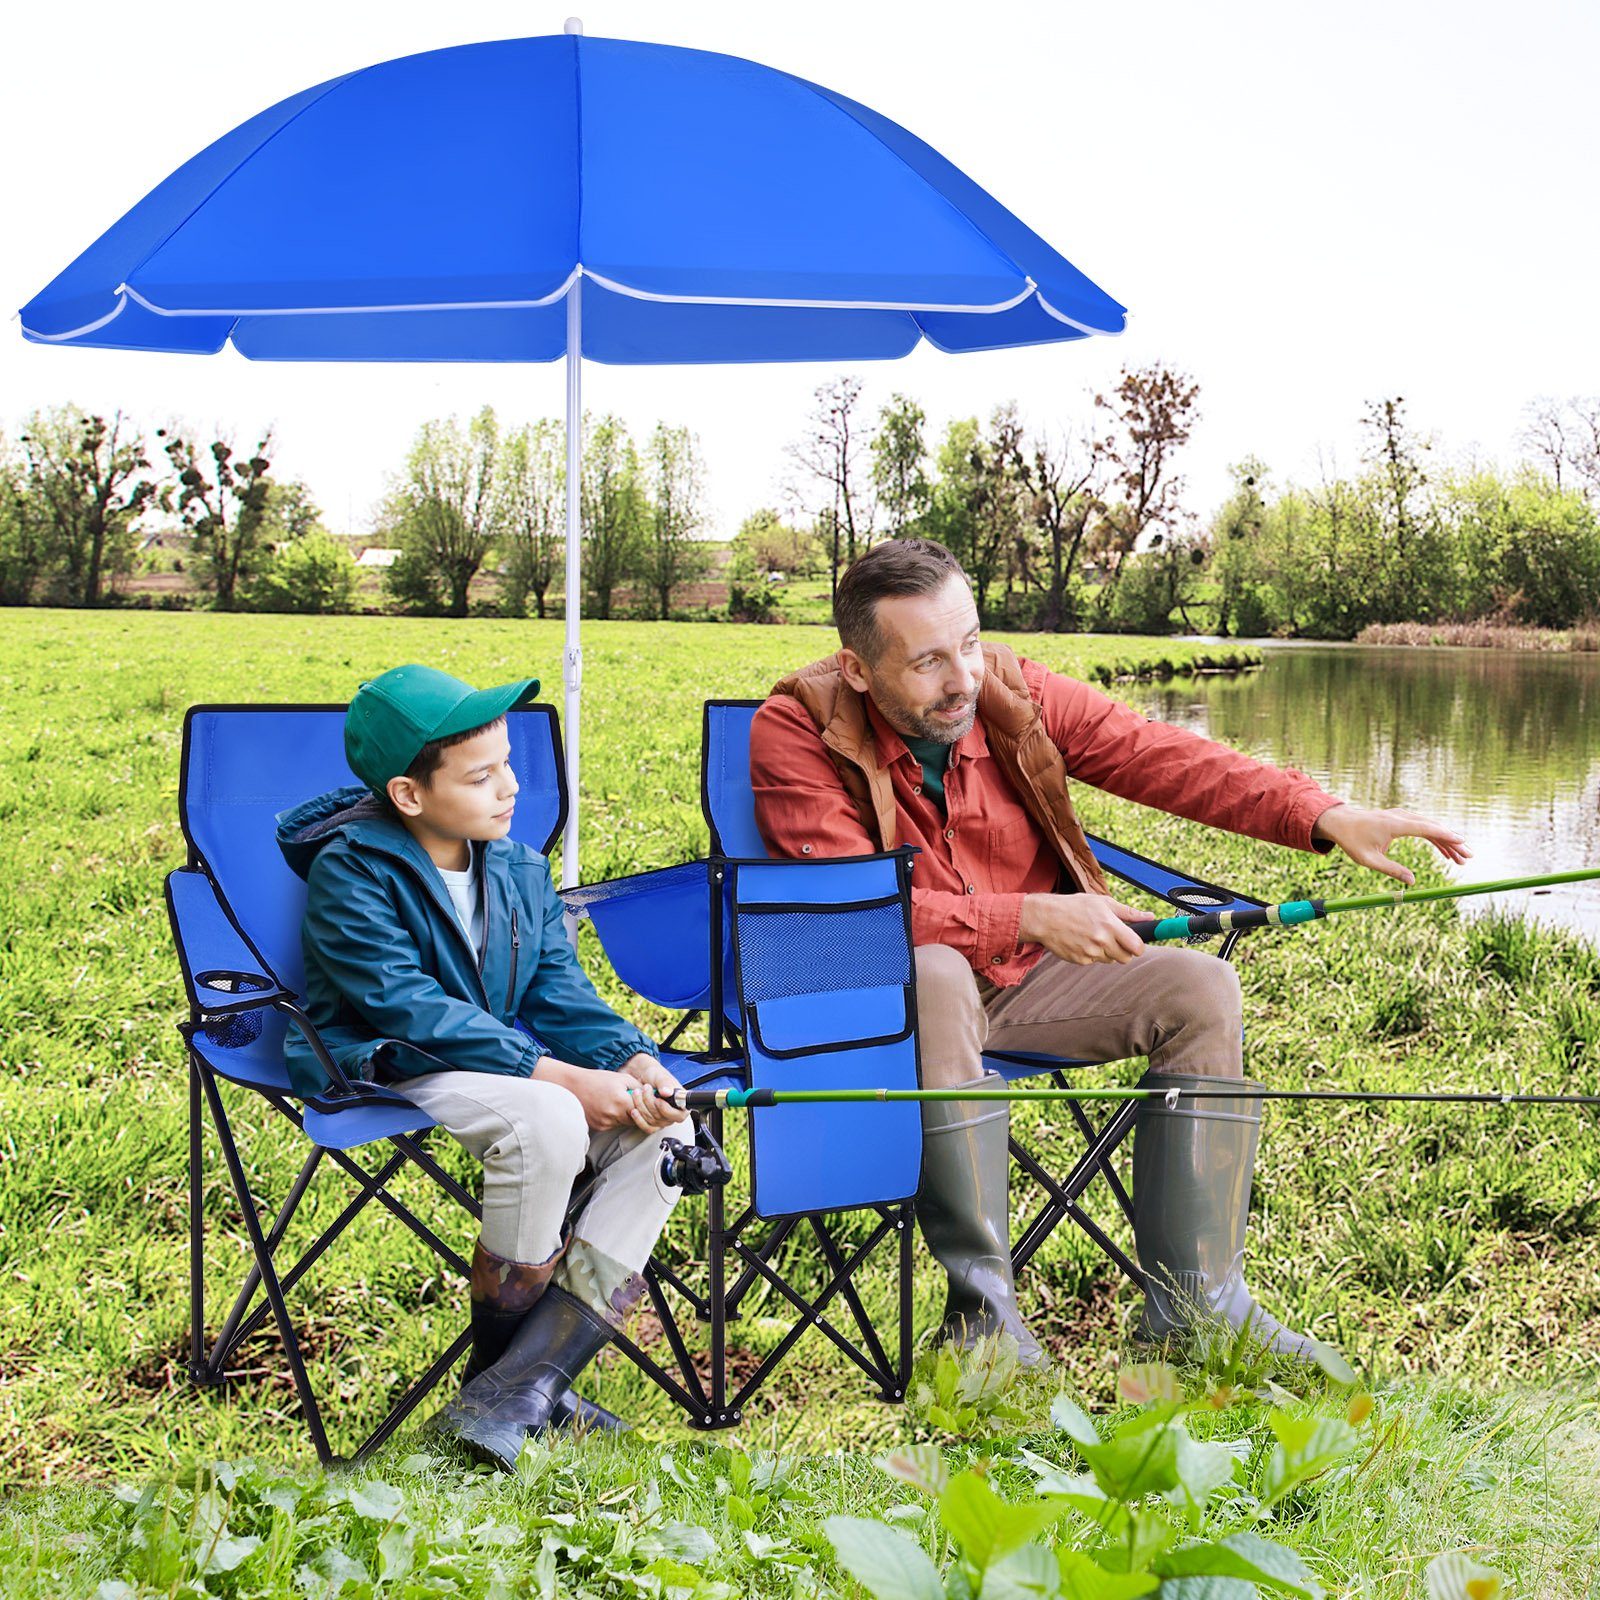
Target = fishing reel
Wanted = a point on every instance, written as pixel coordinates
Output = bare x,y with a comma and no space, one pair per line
695,1168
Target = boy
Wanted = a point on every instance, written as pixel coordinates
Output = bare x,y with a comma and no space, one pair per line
429,937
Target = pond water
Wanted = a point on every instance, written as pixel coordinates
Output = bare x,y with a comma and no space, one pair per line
1504,744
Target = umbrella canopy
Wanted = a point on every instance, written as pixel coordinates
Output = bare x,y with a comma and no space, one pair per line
441,207
534,198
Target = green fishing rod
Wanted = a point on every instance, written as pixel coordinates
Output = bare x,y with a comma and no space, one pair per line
1286,914
1200,924
737,1099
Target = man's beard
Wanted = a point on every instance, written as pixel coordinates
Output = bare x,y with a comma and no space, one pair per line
911,724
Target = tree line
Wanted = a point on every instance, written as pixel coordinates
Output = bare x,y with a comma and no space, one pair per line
1032,516
1402,540
472,489
1088,528
1082,527
81,494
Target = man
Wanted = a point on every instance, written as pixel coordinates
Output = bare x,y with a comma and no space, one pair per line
916,733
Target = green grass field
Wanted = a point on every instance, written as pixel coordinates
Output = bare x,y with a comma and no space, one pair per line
1452,1253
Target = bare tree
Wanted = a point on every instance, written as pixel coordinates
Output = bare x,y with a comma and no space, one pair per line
830,453
1063,475
1586,455
89,475
1001,518
1544,435
224,499
1564,437
1152,413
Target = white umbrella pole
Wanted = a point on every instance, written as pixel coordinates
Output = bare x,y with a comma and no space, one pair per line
573,658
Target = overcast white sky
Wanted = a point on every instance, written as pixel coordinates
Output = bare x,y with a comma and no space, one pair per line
1304,206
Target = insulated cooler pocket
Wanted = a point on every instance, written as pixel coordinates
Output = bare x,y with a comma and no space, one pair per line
828,1001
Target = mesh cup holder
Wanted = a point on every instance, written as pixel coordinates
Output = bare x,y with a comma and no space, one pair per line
1200,900
242,1028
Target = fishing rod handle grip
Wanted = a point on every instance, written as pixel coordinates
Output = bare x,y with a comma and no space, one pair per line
1199,925
717,1099
1166,928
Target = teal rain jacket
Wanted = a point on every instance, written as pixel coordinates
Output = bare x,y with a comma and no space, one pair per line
393,984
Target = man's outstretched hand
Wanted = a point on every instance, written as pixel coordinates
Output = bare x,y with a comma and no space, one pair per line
1367,836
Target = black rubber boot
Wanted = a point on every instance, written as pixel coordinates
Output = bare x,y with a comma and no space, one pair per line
525,1390
503,1293
963,1206
1192,1166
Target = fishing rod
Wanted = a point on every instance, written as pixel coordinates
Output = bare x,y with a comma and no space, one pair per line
1200,924
750,1099
1285,914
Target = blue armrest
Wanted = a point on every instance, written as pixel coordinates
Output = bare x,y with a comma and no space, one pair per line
1166,883
655,928
222,970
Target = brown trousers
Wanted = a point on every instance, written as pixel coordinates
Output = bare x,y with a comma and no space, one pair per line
1179,1007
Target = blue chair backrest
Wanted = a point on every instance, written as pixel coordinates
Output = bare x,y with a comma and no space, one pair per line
725,794
242,765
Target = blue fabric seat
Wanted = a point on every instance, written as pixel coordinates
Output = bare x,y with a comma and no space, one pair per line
626,912
235,909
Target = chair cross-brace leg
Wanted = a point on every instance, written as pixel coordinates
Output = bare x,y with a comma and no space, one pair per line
693,1401
1063,1196
265,1277
810,1316
847,1292
269,1277
229,1339
228,1342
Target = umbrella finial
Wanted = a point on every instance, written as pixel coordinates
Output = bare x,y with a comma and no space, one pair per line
573,25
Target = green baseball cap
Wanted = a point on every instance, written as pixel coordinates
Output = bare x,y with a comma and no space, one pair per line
393,717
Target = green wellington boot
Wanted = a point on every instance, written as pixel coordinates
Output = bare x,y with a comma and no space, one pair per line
503,1293
964,1208
1192,1166
524,1391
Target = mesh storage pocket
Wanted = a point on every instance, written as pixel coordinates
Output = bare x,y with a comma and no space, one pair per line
241,1028
796,950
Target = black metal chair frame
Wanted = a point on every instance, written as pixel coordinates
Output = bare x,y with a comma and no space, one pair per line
209,1363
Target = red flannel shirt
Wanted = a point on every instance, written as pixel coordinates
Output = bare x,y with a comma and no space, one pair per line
983,853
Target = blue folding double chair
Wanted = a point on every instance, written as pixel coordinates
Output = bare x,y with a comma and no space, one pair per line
802,970
787,933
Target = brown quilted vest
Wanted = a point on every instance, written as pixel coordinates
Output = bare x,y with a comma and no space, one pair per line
1033,765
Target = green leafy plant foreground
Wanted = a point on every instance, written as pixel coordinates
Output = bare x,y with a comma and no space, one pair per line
1157,1509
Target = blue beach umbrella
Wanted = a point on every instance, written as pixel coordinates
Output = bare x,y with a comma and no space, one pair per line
558,196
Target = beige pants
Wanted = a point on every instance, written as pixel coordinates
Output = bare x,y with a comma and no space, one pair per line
533,1142
1179,1007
